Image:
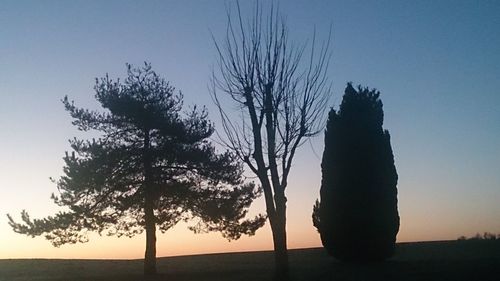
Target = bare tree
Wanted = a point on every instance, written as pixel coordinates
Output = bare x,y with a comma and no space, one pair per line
282,92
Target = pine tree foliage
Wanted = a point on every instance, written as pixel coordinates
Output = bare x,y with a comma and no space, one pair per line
357,217
153,165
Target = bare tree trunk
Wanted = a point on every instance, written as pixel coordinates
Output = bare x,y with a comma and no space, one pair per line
278,227
149,216
282,101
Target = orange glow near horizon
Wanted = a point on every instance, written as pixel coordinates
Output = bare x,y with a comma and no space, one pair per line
423,218
180,241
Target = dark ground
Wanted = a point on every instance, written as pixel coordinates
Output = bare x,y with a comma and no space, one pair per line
446,260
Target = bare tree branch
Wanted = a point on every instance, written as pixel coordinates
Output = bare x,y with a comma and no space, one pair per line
282,97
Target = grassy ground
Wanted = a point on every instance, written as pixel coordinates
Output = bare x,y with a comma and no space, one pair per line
451,260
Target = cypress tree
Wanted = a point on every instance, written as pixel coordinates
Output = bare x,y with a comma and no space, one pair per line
357,216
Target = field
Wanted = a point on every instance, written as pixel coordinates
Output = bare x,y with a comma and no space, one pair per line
445,260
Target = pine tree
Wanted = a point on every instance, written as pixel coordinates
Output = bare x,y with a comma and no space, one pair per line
151,168
357,216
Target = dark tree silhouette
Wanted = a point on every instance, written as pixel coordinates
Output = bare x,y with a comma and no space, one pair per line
151,168
282,99
357,217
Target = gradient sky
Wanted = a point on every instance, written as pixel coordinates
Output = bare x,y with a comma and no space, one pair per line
437,64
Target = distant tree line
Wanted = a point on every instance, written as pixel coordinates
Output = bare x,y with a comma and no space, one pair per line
478,236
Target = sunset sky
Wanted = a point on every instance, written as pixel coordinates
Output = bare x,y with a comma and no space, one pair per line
436,63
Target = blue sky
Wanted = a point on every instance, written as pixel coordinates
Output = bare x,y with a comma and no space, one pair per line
437,64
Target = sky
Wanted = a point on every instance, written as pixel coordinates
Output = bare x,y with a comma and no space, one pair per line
436,63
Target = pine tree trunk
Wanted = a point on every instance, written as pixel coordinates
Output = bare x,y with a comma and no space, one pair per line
149,216
150,255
